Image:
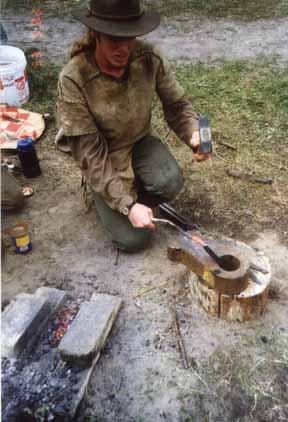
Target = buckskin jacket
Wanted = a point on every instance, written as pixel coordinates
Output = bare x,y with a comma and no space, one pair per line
104,116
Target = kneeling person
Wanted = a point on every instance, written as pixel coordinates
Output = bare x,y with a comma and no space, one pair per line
105,96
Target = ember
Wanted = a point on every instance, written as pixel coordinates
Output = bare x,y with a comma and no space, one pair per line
198,240
62,323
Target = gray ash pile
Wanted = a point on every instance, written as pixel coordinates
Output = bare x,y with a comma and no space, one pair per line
39,386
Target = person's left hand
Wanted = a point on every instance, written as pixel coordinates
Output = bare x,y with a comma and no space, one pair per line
195,145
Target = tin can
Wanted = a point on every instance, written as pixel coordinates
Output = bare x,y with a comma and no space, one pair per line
20,237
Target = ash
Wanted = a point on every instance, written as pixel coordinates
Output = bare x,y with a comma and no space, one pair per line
39,386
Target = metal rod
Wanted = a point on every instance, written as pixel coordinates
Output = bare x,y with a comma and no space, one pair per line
163,221
254,277
258,268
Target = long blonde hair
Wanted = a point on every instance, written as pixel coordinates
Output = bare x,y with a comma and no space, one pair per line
85,43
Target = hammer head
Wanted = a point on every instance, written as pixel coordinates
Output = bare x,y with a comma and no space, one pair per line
205,135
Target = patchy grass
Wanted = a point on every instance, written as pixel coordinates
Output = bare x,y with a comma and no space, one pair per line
43,80
248,382
247,104
49,7
234,9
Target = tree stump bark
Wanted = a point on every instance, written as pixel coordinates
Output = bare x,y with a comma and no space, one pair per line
250,303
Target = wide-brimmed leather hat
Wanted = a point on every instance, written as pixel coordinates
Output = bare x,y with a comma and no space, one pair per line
120,18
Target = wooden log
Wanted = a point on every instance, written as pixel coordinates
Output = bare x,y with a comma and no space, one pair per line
266,180
250,303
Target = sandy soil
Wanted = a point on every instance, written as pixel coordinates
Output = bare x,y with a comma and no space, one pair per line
140,372
139,376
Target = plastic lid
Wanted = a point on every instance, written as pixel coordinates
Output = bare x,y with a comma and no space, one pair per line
24,144
20,229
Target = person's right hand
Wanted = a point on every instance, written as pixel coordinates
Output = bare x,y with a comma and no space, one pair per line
140,217
195,145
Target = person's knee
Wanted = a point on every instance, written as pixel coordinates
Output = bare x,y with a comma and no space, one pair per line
12,198
170,184
14,202
173,186
134,241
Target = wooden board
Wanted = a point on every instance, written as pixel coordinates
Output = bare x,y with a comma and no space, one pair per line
250,303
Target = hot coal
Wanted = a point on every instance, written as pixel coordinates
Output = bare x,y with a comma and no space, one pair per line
39,385
61,324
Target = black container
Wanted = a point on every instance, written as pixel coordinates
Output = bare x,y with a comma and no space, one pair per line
28,158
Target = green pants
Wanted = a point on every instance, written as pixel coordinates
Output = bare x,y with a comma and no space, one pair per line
158,179
12,198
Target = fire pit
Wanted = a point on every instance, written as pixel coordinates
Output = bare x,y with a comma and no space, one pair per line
40,384
50,346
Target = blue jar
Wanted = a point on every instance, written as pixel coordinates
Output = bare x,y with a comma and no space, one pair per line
28,157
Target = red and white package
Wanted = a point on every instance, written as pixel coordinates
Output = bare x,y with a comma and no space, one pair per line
16,123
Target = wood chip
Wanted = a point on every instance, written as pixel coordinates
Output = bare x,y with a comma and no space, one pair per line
225,144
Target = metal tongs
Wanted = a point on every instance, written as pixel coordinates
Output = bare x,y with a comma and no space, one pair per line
164,221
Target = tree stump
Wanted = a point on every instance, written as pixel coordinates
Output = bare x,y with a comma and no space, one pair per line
250,303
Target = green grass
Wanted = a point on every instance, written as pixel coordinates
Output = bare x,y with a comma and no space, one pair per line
247,104
247,98
42,84
236,9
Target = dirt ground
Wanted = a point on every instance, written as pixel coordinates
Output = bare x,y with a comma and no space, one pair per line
139,376
184,38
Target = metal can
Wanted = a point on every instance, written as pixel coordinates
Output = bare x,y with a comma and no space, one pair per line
21,238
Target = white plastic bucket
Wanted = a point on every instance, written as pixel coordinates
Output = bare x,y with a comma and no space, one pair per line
14,89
